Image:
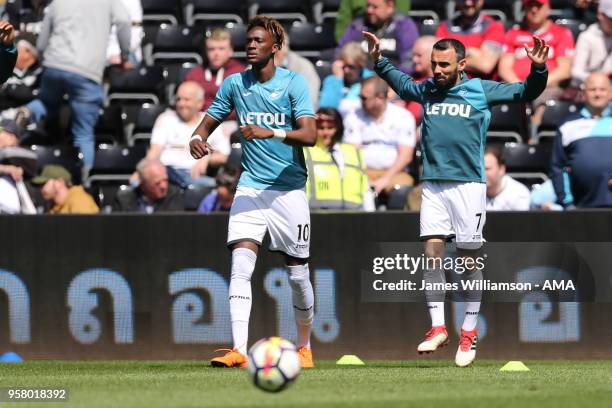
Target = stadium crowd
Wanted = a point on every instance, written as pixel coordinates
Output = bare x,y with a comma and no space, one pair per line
102,102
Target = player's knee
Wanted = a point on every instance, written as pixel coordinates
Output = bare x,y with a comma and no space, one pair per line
299,275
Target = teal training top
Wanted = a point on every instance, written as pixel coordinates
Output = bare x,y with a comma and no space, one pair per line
455,121
267,164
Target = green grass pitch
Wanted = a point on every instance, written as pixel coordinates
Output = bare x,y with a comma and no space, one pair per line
406,383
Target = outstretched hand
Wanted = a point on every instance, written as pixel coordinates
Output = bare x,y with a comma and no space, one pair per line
539,53
373,44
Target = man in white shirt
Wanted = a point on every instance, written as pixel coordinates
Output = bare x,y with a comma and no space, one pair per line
503,192
170,139
385,132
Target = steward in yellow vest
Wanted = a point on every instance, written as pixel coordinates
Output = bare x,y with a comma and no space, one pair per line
331,186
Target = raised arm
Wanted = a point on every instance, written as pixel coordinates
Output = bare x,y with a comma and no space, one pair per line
528,90
401,83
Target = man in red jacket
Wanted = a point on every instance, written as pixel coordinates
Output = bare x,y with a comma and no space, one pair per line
219,65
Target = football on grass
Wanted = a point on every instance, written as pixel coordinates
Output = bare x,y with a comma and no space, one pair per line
273,364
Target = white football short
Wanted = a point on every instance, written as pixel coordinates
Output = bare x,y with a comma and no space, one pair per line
285,214
456,210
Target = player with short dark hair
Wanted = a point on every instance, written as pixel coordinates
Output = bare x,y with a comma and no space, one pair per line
457,112
276,120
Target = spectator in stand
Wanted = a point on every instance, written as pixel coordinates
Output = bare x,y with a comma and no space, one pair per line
514,65
349,10
421,70
154,194
503,192
58,191
218,66
21,87
30,22
396,31
74,40
482,36
340,90
222,197
294,62
8,52
594,46
16,164
113,52
337,176
583,149
386,133
170,139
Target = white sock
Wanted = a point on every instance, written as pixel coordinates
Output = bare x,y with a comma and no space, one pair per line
303,302
436,312
243,264
471,316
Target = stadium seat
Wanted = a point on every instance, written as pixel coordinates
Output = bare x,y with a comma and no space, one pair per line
177,43
105,191
427,26
194,195
175,74
238,33
529,179
499,9
214,10
110,126
508,122
398,197
575,26
324,9
554,114
138,84
161,10
308,39
323,69
116,162
287,10
67,156
428,9
526,158
235,156
141,120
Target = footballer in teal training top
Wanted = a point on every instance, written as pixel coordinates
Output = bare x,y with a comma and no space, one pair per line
456,116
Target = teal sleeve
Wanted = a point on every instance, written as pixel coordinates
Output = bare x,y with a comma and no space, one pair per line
223,104
402,83
8,57
530,89
299,95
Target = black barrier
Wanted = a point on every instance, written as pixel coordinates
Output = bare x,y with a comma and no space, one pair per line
121,286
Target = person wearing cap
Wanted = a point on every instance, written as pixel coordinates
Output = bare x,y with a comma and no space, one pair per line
482,35
594,46
58,191
8,51
515,65
20,88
